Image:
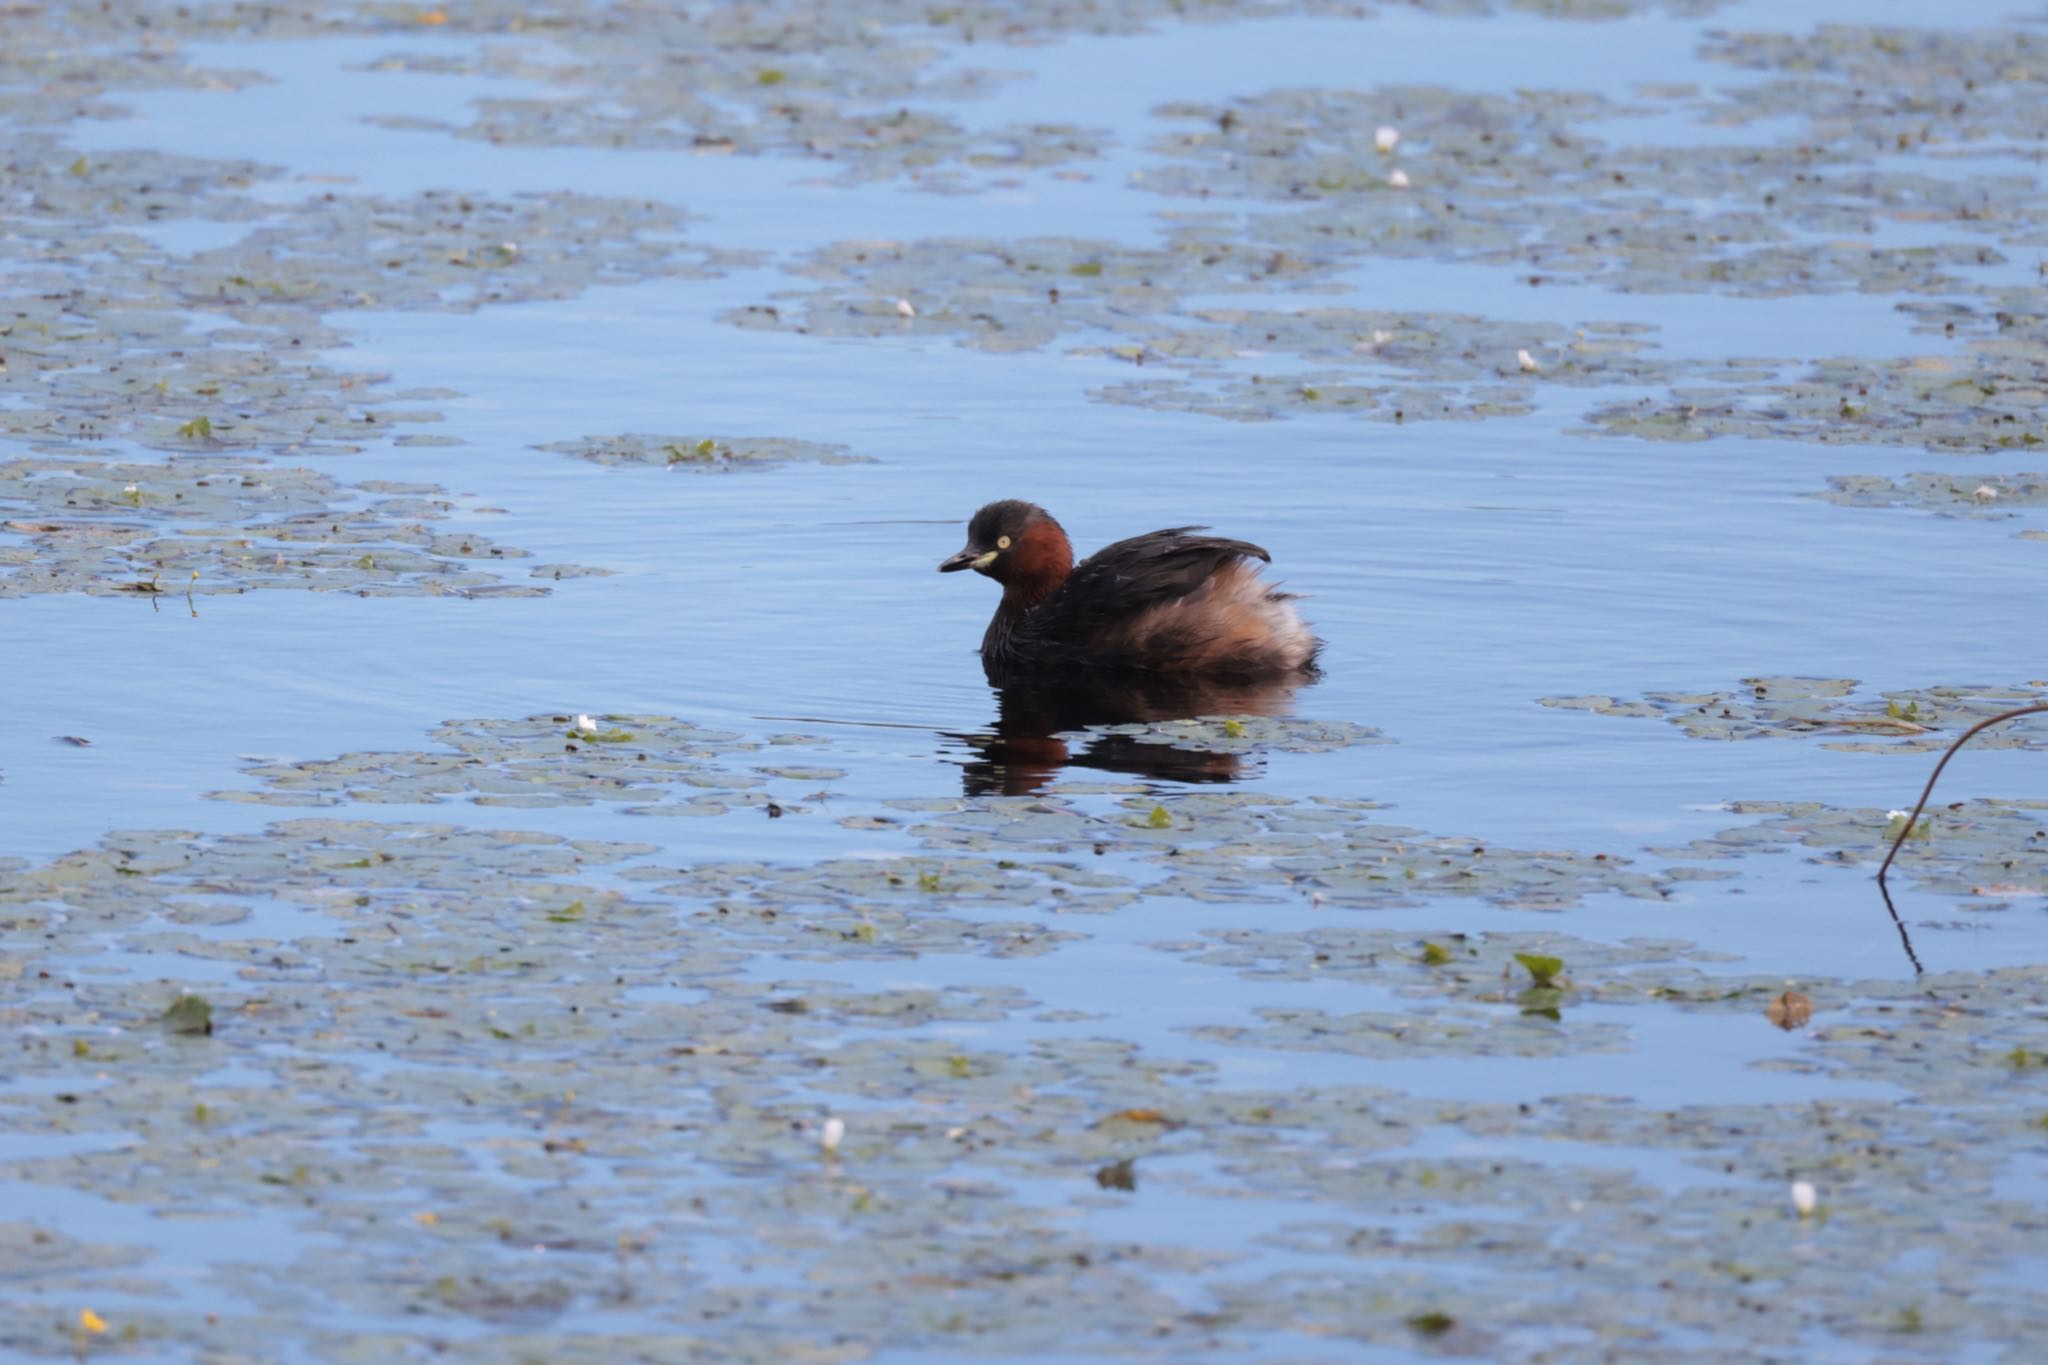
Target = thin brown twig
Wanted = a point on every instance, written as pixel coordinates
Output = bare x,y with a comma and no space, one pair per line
1935,776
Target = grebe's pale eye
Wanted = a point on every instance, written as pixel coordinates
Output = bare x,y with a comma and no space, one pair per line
1002,542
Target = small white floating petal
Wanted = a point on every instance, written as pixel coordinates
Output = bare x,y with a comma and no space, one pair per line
131,490
586,725
1984,492
1892,815
832,1134
905,308
1398,179
1386,138
1381,337
1527,361
1803,1197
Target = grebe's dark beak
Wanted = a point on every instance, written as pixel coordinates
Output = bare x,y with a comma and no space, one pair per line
969,558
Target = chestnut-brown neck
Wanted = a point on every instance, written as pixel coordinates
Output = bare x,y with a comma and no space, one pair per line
1038,563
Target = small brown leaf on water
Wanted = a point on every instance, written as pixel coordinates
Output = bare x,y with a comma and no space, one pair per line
1790,1011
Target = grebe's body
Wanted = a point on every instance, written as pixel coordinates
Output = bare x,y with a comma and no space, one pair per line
1167,603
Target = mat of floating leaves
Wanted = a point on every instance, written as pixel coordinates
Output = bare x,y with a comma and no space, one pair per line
1985,498
704,454
1994,852
1908,720
663,1096
113,352
1245,847
643,764
226,524
1983,399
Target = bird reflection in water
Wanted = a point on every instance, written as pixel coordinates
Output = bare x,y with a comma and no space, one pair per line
1033,735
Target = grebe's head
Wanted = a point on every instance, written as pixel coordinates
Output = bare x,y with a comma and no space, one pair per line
1005,538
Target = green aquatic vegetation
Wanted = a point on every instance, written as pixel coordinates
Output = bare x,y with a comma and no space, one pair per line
189,1014
994,296
704,454
1432,1323
1552,183
1896,820
703,1106
1992,497
1435,1032
1933,403
585,731
231,524
1248,734
1914,720
1990,852
1543,969
1160,818
116,353
654,1110
651,765
866,101
1244,847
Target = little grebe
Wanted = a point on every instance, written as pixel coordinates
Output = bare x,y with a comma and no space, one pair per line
1166,603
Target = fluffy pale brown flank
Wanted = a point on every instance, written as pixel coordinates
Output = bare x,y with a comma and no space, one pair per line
1232,622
